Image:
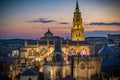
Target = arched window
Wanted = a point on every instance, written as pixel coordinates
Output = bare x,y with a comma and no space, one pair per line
83,52
78,34
34,52
30,53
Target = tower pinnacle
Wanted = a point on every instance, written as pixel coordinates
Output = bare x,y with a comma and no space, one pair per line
77,7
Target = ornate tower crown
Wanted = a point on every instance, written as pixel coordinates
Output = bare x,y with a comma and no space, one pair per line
77,31
77,7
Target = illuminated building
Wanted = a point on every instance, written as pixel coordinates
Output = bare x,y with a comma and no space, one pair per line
77,32
56,65
15,53
57,57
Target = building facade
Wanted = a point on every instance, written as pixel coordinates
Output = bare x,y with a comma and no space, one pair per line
58,58
57,65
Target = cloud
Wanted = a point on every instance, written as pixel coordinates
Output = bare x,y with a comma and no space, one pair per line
100,33
102,23
42,20
63,22
67,27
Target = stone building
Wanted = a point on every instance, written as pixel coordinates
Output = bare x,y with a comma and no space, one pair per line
58,58
57,64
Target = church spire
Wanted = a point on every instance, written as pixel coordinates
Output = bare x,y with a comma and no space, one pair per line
77,31
25,43
77,7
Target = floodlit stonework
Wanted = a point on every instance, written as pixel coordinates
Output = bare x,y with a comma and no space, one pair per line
57,57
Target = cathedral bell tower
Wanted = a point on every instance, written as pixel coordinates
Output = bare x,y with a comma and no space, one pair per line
77,31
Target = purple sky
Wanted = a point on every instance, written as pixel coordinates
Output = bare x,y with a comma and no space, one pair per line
32,18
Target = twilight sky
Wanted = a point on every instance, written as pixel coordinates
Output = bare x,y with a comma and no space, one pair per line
32,18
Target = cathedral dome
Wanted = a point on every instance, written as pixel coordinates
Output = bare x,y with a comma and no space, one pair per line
106,50
48,33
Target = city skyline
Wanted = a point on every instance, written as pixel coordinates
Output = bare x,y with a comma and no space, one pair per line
31,19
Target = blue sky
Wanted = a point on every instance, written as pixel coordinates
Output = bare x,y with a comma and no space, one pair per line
16,17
